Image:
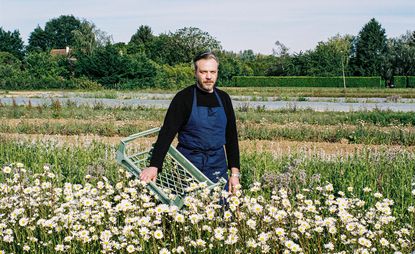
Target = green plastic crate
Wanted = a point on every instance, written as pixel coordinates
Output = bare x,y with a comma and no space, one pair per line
176,177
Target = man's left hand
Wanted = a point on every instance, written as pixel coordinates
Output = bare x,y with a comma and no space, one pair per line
233,184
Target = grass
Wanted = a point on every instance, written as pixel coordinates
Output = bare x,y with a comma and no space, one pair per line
258,92
390,172
385,171
321,92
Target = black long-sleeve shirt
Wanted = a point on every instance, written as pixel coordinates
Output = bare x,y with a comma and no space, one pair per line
178,115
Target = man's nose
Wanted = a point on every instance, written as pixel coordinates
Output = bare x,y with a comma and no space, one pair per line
208,75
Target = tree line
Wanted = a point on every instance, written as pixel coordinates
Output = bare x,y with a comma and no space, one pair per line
164,60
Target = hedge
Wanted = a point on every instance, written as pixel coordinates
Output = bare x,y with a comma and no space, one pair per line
263,81
411,81
400,81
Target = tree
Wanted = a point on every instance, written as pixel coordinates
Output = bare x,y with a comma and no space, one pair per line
141,40
11,42
112,68
402,55
38,40
330,58
190,41
280,49
57,33
369,50
281,60
10,66
247,55
231,65
43,65
88,37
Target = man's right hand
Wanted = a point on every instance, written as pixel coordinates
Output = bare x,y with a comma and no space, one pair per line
149,174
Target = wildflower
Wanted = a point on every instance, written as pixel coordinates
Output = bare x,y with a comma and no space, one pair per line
195,218
158,234
26,248
23,222
332,230
329,246
367,189
377,195
164,251
130,248
232,239
251,223
207,228
179,218
329,187
59,247
227,215
257,209
180,249
7,170
200,243
263,237
384,242
286,203
251,243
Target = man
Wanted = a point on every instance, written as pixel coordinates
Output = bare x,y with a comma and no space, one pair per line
203,117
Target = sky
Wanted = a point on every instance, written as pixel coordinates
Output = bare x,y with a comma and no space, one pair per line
237,24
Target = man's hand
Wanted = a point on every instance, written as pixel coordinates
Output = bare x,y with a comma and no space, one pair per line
234,180
149,174
233,183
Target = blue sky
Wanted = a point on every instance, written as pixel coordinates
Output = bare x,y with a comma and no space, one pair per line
237,24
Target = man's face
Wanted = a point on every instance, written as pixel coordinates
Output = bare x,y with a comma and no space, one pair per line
206,74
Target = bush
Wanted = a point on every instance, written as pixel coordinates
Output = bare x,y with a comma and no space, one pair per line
177,76
262,81
411,81
400,81
114,69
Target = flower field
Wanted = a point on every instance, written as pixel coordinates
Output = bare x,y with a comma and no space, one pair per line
312,182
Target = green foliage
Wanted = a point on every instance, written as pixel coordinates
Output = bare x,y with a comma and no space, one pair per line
401,55
175,77
9,66
305,81
230,66
411,81
38,40
114,69
370,50
140,42
42,65
330,58
180,46
399,81
11,42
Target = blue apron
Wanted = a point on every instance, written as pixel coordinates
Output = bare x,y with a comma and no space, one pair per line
202,139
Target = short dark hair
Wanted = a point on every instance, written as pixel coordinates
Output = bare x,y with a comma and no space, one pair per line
205,55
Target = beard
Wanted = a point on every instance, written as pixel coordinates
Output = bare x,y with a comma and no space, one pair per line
206,86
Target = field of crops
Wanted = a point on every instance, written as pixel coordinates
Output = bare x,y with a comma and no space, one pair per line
312,182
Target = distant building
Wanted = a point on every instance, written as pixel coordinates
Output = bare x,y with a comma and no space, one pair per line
60,52
63,52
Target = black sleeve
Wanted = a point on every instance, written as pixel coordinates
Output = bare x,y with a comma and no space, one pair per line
232,146
177,115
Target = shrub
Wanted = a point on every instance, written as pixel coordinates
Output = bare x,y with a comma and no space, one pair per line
262,81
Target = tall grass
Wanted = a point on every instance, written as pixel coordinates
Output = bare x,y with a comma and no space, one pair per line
390,172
